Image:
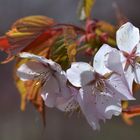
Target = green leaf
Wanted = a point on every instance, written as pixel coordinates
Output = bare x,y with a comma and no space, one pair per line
85,9
64,49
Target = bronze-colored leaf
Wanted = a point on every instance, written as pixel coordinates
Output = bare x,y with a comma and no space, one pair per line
23,32
33,23
106,27
27,29
136,87
129,112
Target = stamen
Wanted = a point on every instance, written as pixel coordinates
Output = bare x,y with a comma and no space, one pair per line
100,91
72,106
131,58
100,85
43,76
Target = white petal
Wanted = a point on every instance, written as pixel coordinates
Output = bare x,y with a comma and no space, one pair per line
80,73
62,81
32,56
43,60
114,62
129,74
31,70
123,59
86,103
56,93
127,37
119,88
113,110
108,105
67,101
49,99
100,59
137,73
97,106
50,91
66,105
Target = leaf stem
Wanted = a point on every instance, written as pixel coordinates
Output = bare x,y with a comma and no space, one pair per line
82,48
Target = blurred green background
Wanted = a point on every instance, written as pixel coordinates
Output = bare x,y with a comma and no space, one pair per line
17,125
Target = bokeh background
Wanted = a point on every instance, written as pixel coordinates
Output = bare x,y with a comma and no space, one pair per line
17,125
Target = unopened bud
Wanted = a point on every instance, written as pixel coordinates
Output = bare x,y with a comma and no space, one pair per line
89,51
90,37
104,37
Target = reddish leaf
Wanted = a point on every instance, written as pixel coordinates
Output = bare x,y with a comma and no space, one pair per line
4,44
42,42
130,112
23,33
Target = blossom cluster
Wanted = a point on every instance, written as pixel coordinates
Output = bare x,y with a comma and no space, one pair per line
96,89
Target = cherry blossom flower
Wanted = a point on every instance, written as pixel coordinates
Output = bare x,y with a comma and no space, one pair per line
99,95
129,47
128,42
54,90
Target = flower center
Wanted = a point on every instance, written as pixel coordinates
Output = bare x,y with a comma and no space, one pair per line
100,85
72,106
130,58
100,91
44,75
